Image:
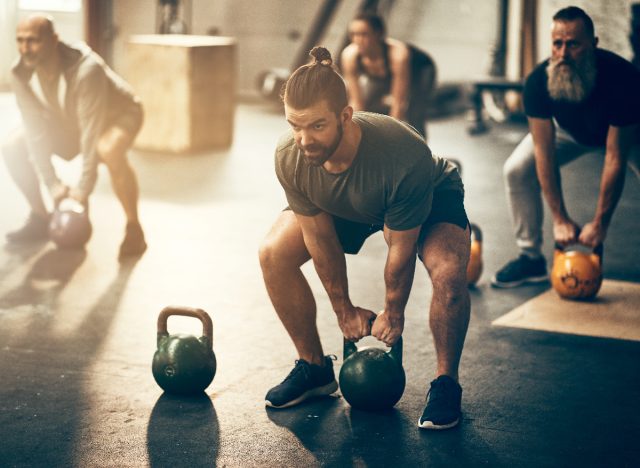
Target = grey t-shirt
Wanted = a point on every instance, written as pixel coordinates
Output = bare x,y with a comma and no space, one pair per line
391,181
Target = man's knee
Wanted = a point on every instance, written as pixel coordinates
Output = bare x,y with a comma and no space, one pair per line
272,252
283,246
267,254
445,256
273,255
519,171
112,147
449,284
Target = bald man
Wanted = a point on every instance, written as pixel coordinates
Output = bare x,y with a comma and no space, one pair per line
71,103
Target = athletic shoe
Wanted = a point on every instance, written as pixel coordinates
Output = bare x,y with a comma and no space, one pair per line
443,404
522,270
36,228
133,243
303,382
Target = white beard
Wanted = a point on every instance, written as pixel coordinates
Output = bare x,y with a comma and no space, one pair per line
572,83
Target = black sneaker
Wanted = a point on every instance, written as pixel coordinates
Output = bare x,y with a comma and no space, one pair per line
133,243
303,382
443,404
36,228
522,270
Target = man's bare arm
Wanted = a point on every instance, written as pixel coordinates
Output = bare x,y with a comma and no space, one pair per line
328,258
398,277
619,141
543,133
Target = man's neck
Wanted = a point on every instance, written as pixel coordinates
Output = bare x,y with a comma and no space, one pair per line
49,70
347,149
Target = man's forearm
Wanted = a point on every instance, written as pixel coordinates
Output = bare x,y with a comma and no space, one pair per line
398,277
330,264
44,166
611,185
549,178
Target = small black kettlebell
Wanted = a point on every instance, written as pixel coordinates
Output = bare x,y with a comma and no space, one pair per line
371,378
70,227
184,364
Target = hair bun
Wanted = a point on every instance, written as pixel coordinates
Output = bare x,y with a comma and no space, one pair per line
321,56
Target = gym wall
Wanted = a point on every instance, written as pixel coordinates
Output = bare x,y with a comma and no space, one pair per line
459,34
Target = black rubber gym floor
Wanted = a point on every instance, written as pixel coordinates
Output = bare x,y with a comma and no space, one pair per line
78,330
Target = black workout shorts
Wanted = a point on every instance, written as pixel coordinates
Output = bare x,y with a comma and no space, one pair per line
447,207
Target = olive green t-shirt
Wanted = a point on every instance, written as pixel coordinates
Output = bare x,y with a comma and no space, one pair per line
391,181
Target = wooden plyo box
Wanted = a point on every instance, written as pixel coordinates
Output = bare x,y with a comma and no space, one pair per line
187,87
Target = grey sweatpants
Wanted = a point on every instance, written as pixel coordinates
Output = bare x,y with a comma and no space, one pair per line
523,189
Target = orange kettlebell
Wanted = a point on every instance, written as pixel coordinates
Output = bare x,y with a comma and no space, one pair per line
474,268
577,274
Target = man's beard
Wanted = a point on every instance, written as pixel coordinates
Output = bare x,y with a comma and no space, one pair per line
323,152
572,82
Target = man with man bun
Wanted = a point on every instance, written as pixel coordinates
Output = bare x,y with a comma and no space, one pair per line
71,102
347,175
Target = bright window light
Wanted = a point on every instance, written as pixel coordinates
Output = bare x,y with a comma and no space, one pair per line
50,5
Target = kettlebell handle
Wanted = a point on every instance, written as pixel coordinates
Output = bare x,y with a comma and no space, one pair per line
598,249
349,347
207,324
476,232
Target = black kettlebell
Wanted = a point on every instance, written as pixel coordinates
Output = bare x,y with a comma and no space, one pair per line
371,378
184,364
70,227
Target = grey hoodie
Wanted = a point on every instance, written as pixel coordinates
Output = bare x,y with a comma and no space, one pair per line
95,97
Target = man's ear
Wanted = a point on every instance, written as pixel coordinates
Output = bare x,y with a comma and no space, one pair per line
595,41
346,114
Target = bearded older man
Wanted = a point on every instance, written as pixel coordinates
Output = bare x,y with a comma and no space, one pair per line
581,100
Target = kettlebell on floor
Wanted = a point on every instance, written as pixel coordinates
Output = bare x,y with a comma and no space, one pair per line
184,364
371,378
576,274
69,226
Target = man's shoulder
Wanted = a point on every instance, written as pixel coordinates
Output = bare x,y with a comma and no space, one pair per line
380,126
390,141
375,118
286,157
615,64
285,142
79,59
535,95
604,54
538,73
72,55
285,147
